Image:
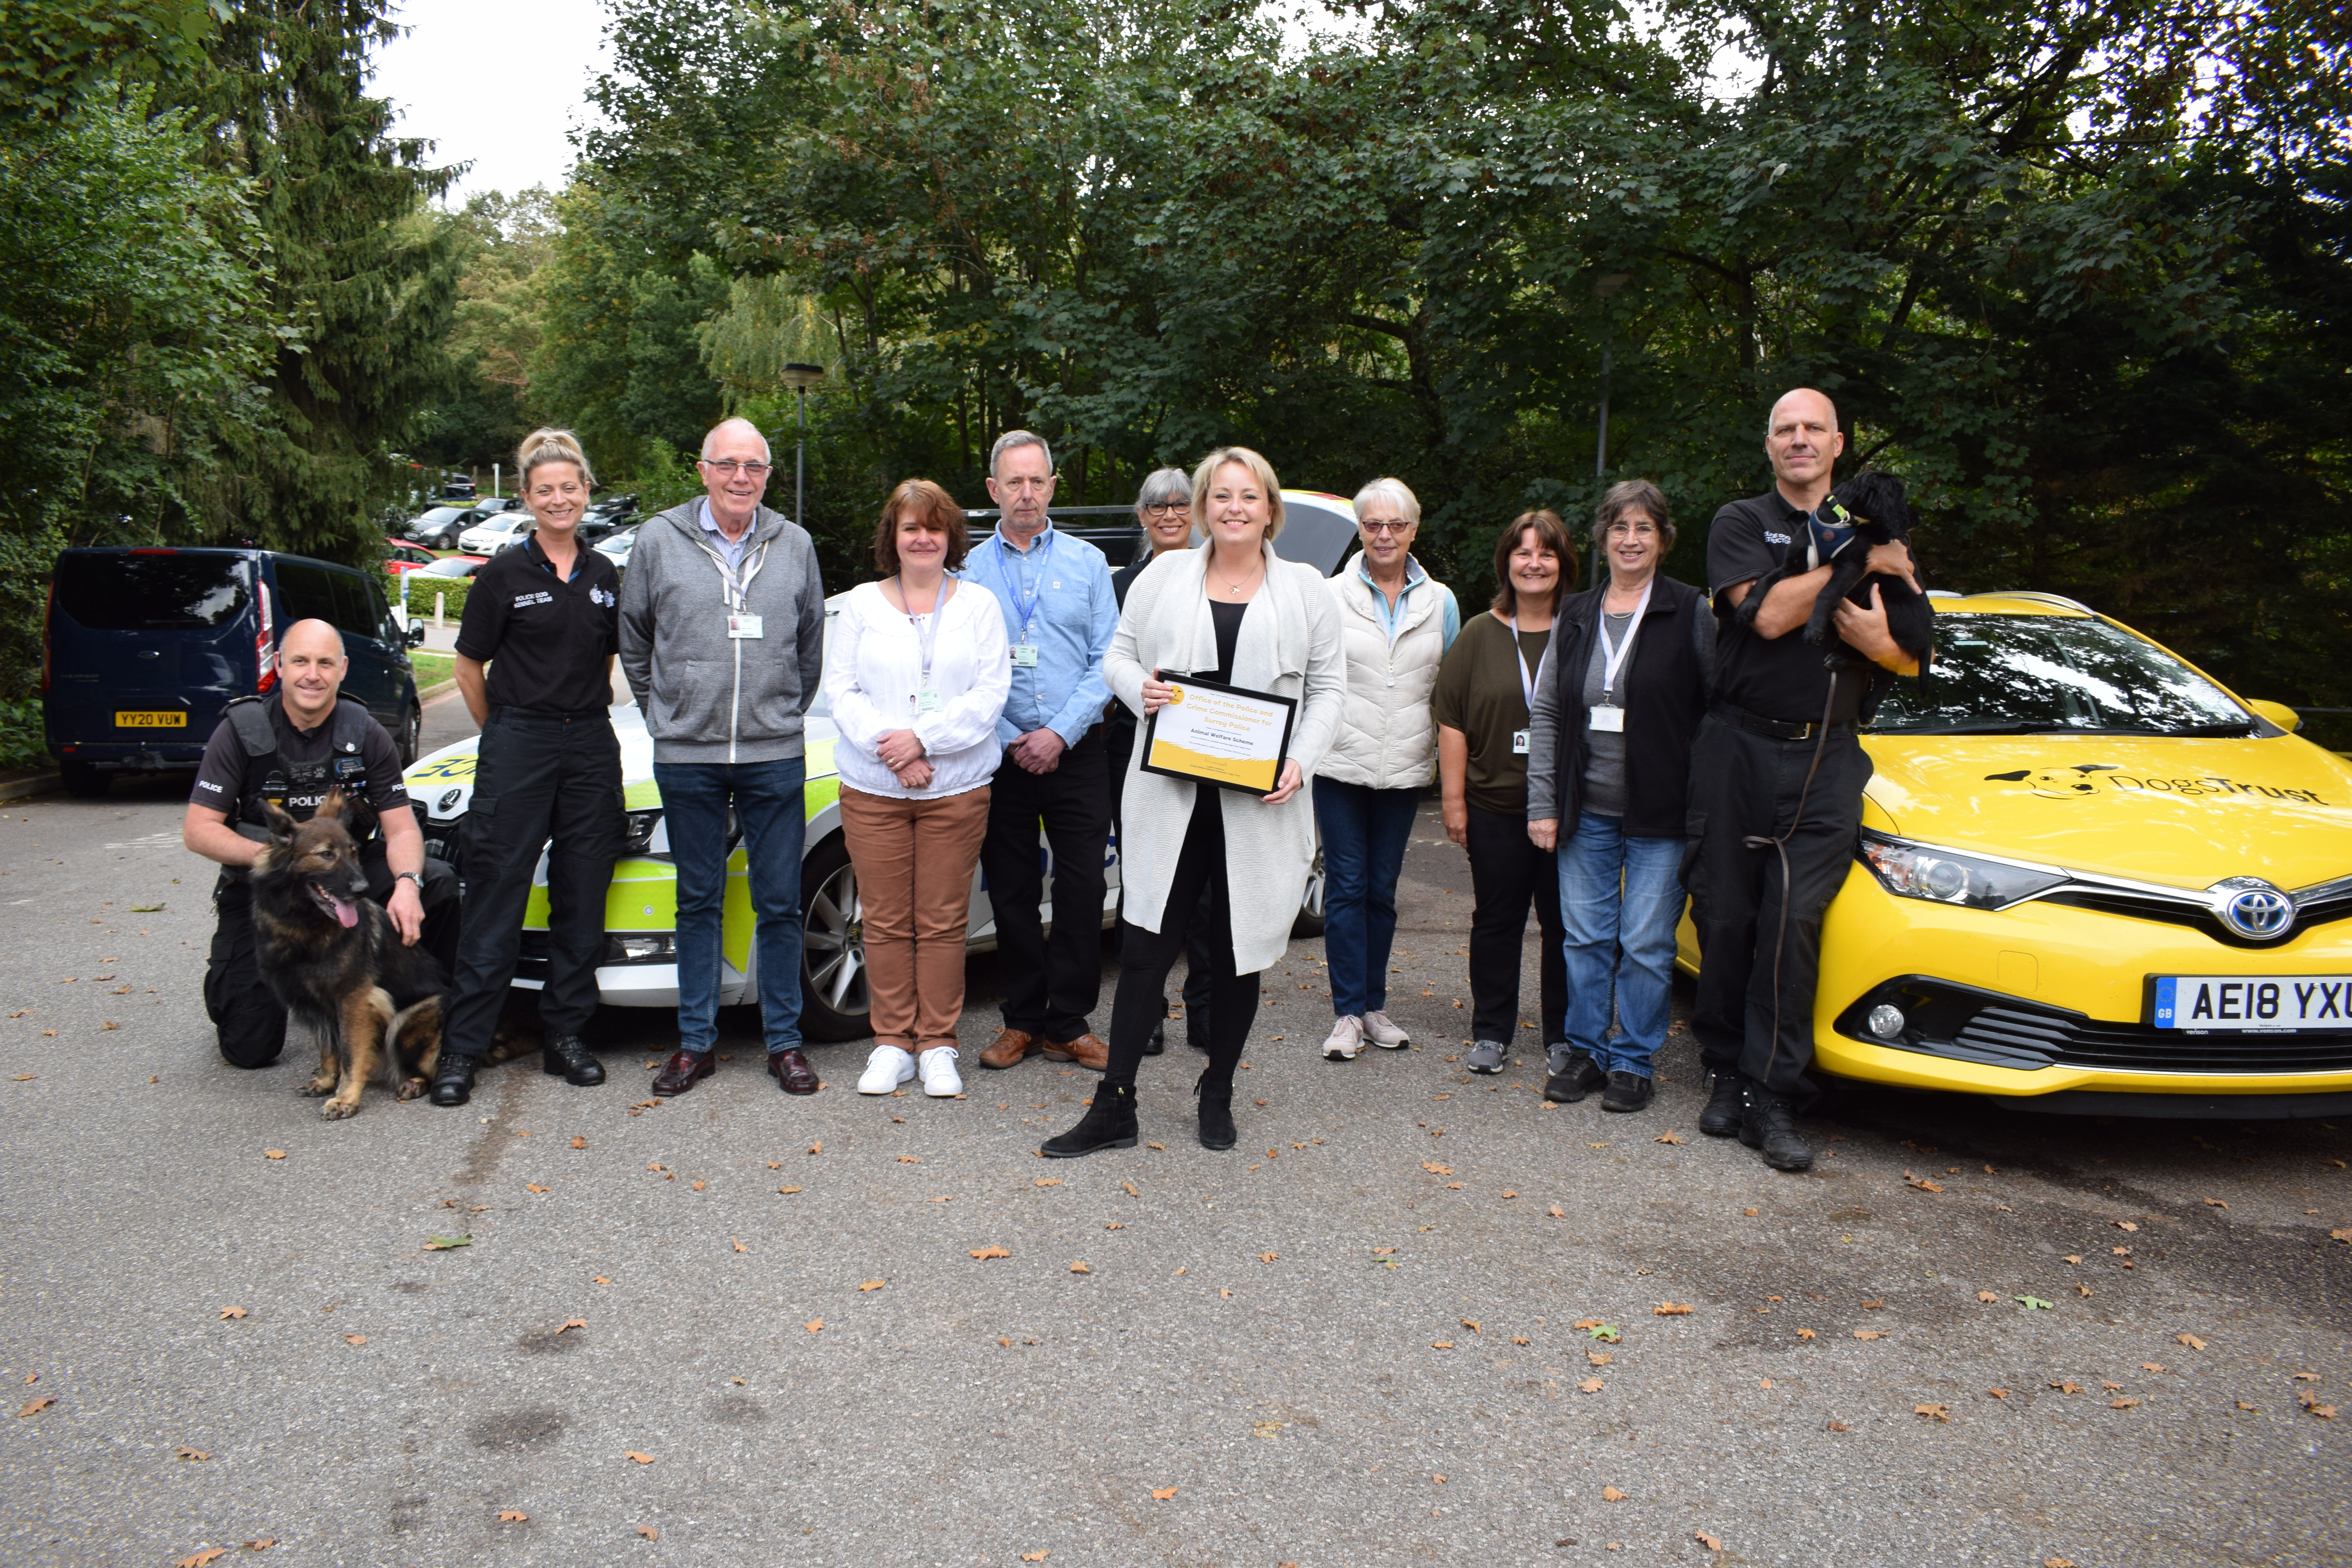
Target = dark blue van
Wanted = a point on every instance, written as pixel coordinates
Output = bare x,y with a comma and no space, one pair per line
143,647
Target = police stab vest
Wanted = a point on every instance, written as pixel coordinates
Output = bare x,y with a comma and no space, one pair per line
297,790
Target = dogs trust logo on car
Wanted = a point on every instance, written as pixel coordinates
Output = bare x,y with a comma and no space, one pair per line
2057,783
2081,780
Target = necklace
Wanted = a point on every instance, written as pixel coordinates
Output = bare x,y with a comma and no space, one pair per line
1234,588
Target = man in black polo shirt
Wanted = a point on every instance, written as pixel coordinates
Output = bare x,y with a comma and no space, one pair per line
1776,759
289,748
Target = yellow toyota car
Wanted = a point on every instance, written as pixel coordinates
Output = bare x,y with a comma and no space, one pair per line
2090,879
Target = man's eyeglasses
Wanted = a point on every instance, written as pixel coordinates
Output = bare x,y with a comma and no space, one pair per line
1385,527
1168,509
1641,528
725,467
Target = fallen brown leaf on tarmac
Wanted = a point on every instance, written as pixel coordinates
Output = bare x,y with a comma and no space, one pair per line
1870,1333
2121,1403
2150,1366
1470,1323
1441,1344
28,1076
1130,1189
354,1339
2083,1290
264,1544
2344,1235
273,1153
583,1144
1586,1323
2125,1225
1874,1306
1267,1257
1933,1412
816,1148
649,1533
1161,1494
1667,1138
1763,1382
789,1190
1556,1211
1435,1169
1712,1543
1036,1556
1837,1426
698,1186
1436,1481
1610,1494
2191,1340
512,1516
871,1285
2073,1257
2243,1405
2066,1385
1986,1296
1046,1182
194,1454
232,1311
603,1279
1598,1358
1750,1213
1080,1267
201,1559
1996,1393
1161,1147
1922,1183
1670,1309
535,1187
984,1253
1590,1385
2057,1562
2215,1203
1224,1295
640,1458
815,1325
1807,1334
570,1323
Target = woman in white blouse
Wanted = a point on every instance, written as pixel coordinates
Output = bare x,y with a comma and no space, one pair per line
916,675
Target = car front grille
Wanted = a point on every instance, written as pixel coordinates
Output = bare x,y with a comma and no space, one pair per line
1961,1023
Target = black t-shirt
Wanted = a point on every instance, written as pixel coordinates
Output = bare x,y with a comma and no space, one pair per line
545,639
1781,677
221,776
1227,618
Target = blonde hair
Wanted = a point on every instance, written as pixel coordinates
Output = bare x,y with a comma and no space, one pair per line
1259,470
550,446
1396,493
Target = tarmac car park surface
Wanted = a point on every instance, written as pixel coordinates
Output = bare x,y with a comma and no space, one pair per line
1314,1341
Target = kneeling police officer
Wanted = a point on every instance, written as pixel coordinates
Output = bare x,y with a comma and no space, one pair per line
288,748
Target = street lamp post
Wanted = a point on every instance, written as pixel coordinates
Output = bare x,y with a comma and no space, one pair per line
800,378
1605,288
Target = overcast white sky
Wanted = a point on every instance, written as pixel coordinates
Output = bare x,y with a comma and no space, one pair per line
497,83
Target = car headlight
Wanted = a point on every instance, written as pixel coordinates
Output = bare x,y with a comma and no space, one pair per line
642,824
1947,876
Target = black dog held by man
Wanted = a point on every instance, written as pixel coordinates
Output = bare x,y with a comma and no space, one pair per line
1866,510
336,962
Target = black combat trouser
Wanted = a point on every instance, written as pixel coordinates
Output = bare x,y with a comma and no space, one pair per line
548,781
1049,990
1746,785
247,1016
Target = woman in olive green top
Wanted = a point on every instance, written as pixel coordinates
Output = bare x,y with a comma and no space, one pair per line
1481,704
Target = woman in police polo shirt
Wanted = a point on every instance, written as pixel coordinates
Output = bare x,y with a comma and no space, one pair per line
544,617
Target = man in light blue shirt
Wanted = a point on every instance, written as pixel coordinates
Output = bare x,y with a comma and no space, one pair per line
1060,614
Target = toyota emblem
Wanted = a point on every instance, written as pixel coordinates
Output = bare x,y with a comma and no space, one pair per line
2253,908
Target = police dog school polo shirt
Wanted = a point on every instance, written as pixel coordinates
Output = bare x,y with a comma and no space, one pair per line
545,637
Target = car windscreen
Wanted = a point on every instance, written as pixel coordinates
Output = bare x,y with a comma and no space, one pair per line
448,566
441,515
162,592
2048,674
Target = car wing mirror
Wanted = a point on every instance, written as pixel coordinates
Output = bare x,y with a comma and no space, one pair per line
415,636
2278,713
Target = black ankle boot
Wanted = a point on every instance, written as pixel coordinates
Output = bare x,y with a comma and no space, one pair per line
1725,1107
1770,1128
1217,1130
1108,1124
566,1057
453,1078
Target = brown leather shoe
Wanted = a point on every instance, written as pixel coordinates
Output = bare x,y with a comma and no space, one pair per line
791,1069
1086,1050
683,1071
1010,1047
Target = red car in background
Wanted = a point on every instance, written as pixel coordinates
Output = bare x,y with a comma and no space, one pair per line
399,556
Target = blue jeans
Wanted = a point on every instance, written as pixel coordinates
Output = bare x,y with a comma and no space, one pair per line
1629,936
1364,834
767,801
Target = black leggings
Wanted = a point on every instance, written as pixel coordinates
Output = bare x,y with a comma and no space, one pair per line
1145,957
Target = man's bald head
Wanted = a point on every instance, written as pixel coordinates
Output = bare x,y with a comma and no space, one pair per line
1802,439
314,638
735,439
1816,404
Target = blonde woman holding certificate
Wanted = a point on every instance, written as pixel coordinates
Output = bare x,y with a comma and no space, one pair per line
1234,612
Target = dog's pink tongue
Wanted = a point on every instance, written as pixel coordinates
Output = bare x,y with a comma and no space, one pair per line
344,913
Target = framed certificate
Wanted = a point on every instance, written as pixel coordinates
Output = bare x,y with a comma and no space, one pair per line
1214,733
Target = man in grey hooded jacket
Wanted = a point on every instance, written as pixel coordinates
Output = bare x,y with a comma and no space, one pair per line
722,640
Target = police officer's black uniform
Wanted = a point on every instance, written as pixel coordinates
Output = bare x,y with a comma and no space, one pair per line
546,774
1761,749
258,755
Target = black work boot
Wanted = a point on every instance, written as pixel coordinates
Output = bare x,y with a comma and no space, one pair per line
1725,1107
453,1078
1217,1130
1627,1091
1108,1124
1158,1040
1577,1078
566,1057
1771,1126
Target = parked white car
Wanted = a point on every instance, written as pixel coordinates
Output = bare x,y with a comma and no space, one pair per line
501,532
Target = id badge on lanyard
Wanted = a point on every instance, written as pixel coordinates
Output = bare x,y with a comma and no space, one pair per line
1607,717
744,627
1024,652
1522,741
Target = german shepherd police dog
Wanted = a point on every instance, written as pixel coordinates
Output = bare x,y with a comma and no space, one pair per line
336,962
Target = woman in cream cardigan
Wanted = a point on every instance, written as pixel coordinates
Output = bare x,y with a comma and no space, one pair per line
1231,611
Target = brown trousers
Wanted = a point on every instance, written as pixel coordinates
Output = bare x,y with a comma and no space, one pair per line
914,862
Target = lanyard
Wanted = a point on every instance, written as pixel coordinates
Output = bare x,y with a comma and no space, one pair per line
1610,663
926,637
1027,609
734,592
1518,650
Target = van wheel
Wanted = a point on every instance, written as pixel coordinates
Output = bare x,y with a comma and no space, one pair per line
412,735
1309,923
835,1002
84,782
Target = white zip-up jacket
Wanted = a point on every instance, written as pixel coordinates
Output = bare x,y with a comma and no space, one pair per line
875,677
708,696
1388,738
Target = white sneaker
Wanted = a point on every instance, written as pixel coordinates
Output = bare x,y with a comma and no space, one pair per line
1346,1039
1383,1034
886,1069
940,1079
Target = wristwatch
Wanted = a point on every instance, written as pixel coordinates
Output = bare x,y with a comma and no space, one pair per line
413,877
